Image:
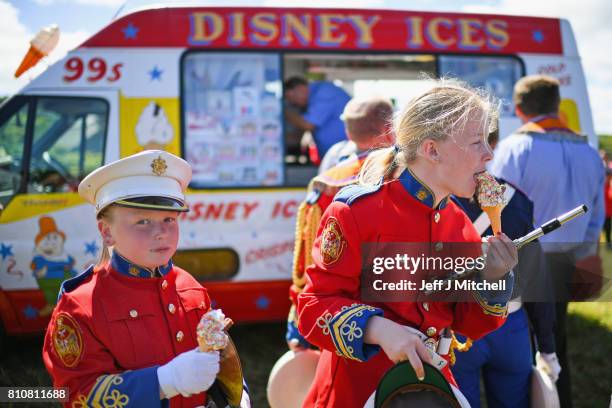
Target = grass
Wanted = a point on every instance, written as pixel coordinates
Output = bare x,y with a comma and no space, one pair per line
605,142
260,345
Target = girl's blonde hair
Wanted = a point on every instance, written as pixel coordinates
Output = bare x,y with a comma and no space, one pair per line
437,113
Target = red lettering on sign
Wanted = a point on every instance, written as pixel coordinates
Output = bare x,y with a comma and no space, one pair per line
97,67
272,251
289,209
286,210
231,211
552,69
276,209
214,211
248,208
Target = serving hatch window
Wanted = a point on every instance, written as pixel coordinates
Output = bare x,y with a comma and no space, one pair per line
496,74
232,119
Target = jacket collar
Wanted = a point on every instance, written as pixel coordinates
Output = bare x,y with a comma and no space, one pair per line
545,123
419,190
125,267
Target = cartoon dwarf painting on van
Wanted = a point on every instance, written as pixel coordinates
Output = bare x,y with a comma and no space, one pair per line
51,265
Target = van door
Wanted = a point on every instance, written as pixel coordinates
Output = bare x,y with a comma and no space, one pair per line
48,143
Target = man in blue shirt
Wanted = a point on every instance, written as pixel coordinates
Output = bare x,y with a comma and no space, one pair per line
323,103
558,170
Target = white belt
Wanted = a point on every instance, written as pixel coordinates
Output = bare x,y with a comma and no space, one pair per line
514,305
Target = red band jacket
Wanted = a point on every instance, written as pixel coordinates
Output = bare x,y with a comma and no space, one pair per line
331,312
321,191
113,326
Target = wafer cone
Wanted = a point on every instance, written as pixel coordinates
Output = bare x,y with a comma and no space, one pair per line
31,58
494,214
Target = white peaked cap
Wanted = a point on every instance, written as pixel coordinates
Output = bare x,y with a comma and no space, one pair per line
153,179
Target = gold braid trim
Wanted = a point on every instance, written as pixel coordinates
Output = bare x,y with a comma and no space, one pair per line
296,275
460,347
308,218
312,225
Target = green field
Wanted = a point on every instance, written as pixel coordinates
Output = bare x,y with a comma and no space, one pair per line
260,345
605,142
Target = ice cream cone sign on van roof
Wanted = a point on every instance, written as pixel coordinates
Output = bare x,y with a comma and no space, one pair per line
40,46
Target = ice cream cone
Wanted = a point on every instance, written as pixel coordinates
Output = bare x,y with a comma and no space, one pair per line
31,58
494,214
210,331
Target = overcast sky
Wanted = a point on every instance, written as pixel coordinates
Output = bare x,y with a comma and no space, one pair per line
78,19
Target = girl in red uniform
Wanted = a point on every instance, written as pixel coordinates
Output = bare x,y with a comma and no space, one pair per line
123,334
402,197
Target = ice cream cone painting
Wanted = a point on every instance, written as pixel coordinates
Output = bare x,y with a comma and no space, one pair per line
490,195
153,129
41,45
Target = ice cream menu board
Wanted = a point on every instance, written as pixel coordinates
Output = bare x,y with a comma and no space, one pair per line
495,74
232,117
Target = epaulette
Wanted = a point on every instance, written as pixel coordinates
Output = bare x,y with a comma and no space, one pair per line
352,192
71,284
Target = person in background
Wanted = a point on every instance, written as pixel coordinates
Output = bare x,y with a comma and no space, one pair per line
558,171
367,124
322,103
402,196
504,357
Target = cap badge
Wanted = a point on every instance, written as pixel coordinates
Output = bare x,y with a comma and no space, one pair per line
159,166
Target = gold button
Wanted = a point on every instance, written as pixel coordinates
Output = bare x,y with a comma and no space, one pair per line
426,306
179,336
438,246
134,313
431,332
437,217
164,284
171,308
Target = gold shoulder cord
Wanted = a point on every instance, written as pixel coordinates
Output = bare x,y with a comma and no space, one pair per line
460,347
299,226
308,218
313,219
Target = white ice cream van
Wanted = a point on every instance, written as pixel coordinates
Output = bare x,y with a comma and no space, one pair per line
206,84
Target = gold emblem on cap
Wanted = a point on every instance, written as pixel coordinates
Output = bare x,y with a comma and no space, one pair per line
159,166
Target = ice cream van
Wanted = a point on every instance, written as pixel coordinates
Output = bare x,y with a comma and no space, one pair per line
206,84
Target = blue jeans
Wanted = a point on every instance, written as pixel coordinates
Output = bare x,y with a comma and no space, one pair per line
505,358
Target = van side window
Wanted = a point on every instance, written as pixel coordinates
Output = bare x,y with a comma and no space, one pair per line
496,74
12,143
232,119
68,143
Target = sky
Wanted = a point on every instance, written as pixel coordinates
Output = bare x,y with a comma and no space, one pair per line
591,21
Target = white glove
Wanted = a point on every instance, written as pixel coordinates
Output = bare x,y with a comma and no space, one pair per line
189,373
550,363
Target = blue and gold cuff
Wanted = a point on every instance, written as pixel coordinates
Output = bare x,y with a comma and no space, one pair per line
139,388
347,330
495,302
